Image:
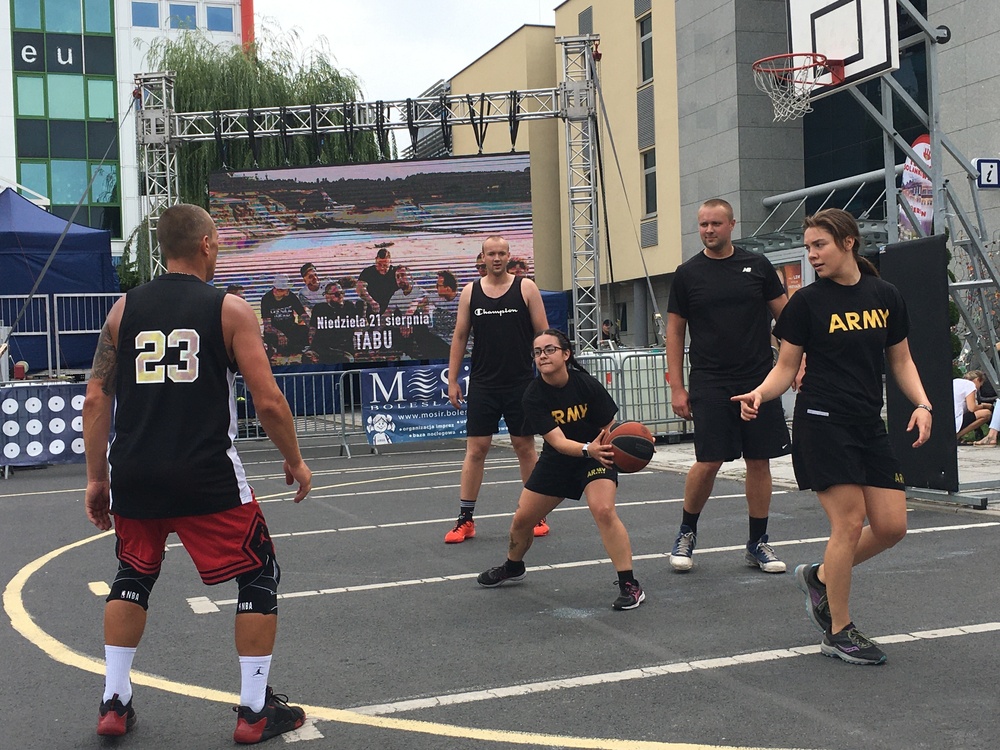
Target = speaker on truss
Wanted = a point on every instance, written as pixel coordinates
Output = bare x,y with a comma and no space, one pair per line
919,269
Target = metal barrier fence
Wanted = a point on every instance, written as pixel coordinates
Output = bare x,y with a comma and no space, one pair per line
323,404
36,324
328,404
78,314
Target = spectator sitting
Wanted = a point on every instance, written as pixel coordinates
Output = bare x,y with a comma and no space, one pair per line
969,415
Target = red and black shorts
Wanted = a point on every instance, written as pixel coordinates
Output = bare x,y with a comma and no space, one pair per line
222,545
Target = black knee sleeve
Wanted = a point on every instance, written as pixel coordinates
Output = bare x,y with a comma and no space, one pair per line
259,588
132,586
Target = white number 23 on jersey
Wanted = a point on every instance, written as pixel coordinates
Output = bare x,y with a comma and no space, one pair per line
151,348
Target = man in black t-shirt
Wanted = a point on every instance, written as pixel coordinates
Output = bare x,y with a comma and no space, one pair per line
331,328
726,296
377,283
504,312
285,320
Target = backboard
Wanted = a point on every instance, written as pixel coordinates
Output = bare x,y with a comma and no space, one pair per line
862,33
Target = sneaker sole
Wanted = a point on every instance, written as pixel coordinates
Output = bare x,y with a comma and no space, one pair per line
771,567
800,580
836,653
512,579
642,598
681,564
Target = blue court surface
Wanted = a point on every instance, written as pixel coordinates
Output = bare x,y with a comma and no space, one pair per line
388,642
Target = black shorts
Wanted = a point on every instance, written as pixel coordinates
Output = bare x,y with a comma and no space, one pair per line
828,453
485,407
967,419
720,434
567,476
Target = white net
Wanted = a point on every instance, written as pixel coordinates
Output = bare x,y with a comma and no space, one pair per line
789,80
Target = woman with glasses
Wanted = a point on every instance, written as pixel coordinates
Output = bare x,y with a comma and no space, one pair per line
574,413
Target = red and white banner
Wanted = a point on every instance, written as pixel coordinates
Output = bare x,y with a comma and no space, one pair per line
918,193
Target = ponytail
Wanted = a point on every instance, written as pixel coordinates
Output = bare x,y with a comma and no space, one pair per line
841,225
564,344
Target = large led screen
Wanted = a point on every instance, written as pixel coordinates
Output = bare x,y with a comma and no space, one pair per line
365,262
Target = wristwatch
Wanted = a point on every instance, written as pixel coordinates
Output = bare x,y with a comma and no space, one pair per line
585,446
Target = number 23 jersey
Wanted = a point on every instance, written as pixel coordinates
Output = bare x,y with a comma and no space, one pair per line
172,453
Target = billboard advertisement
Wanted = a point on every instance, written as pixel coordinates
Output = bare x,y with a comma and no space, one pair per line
363,263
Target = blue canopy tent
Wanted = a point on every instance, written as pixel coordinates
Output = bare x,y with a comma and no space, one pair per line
82,265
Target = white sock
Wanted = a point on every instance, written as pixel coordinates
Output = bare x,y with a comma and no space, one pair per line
253,687
118,665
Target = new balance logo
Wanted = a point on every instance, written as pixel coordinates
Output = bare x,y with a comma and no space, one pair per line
748,270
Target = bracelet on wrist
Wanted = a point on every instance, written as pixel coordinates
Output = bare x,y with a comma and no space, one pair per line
925,407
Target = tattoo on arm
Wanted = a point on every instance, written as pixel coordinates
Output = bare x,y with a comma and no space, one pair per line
106,362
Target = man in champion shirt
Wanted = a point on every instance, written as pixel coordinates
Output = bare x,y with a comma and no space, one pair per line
503,312
163,374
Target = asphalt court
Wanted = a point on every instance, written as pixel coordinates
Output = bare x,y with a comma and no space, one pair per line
388,641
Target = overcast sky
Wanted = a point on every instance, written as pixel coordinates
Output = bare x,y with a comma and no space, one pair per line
399,48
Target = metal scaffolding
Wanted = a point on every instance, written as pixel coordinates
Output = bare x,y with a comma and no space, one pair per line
160,131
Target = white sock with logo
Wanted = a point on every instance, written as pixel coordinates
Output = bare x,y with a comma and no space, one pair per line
253,687
118,665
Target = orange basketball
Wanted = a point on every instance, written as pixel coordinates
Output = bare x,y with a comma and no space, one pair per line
632,446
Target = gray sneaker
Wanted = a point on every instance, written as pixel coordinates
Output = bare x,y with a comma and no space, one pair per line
762,556
852,646
817,607
684,544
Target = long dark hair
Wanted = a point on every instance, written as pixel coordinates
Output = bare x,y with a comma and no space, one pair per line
571,363
842,225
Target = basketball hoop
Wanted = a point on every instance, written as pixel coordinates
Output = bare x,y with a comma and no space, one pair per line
790,80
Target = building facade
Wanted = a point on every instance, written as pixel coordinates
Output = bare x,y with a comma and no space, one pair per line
66,108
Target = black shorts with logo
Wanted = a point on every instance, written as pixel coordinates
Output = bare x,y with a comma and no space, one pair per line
721,434
484,407
826,453
557,475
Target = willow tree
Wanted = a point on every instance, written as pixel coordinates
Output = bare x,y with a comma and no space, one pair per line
277,72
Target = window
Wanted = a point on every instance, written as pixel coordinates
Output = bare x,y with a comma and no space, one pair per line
146,14
219,19
104,189
67,139
27,14
63,15
183,16
66,97
100,99
69,181
649,182
97,16
30,96
646,50
35,176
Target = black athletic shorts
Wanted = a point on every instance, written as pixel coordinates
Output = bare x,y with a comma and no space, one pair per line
485,407
720,434
826,453
566,476
967,419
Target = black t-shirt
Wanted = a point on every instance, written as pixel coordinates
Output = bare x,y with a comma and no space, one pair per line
725,305
381,286
502,331
844,331
282,311
334,327
175,413
581,408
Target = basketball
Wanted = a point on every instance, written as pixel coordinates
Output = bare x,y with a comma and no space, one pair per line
632,446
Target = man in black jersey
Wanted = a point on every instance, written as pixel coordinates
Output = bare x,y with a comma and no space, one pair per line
164,372
726,296
377,283
504,312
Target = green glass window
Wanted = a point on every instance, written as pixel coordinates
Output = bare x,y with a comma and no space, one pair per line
30,96
35,176
66,97
27,14
69,180
97,16
100,99
105,186
63,15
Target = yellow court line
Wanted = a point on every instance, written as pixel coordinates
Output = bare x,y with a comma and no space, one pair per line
23,623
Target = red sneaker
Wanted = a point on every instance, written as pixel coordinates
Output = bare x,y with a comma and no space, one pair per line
277,717
463,530
116,718
541,528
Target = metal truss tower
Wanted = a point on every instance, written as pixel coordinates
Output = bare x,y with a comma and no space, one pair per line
161,130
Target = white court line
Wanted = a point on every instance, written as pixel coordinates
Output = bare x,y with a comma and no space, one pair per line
198,603
641,673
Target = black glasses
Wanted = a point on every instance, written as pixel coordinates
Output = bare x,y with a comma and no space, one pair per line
548,351
480,266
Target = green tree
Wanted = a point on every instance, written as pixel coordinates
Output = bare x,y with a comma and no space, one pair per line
275,73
